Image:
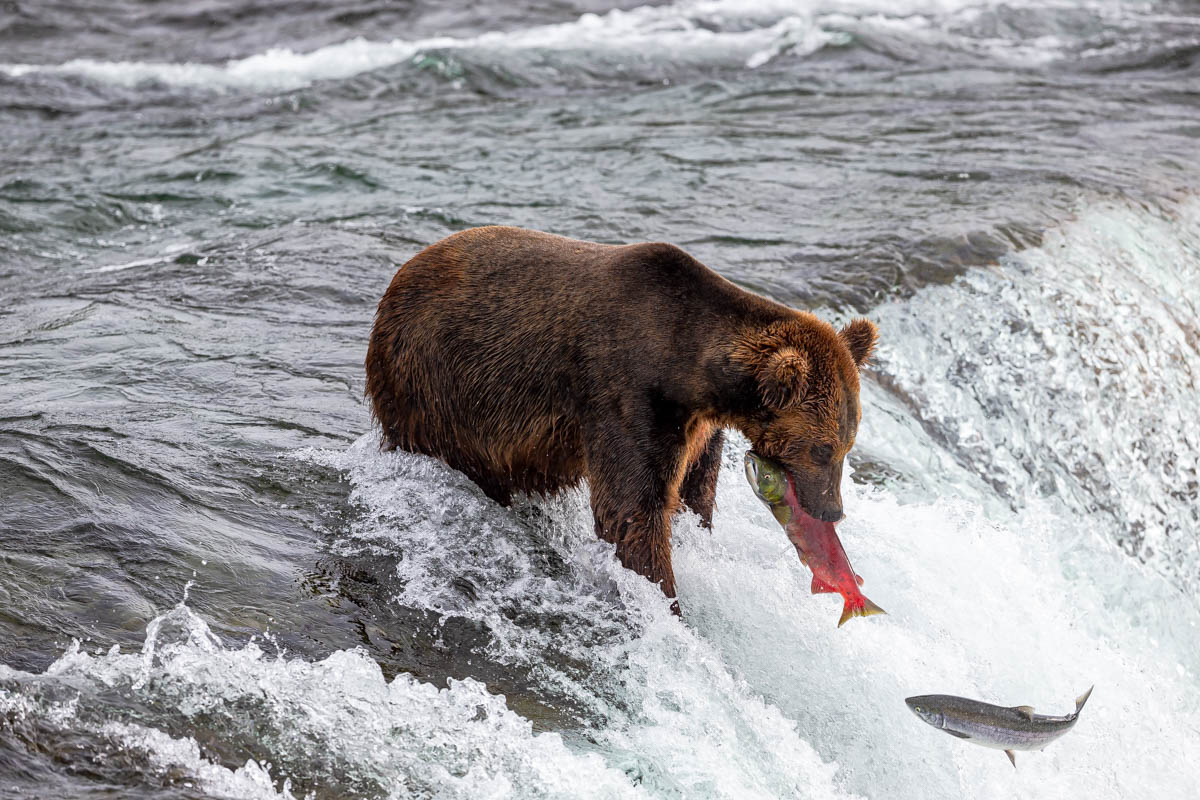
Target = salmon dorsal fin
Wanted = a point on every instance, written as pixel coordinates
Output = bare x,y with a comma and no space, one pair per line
1024,711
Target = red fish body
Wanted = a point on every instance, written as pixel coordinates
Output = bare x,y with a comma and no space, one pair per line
822,552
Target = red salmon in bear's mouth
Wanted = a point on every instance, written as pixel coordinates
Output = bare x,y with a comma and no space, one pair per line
821,550
817,542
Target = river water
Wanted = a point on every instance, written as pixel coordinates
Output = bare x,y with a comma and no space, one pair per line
213,584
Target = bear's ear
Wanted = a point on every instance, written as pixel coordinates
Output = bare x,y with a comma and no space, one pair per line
783,377
860,336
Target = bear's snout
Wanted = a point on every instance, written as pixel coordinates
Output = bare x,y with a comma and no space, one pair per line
822,501
831,514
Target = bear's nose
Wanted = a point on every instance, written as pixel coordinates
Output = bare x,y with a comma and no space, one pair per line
830,514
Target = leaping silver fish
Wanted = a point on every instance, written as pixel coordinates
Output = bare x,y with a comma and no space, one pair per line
1007,729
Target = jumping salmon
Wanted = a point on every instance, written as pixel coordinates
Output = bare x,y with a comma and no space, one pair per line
816,542
1007,729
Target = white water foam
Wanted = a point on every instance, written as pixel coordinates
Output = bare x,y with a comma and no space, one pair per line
405,737
1029,611
677,32
731,32
737,702
164,754
664,706
1070,372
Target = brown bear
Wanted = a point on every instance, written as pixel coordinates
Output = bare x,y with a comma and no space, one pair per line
530,361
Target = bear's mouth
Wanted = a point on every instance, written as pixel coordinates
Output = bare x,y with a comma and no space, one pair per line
800,516
765,475
802,528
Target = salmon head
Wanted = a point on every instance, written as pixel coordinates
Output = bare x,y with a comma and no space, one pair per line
773,485
770,484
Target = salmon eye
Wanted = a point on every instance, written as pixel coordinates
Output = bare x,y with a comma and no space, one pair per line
821,454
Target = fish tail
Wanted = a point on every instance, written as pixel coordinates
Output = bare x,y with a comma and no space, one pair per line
858,607
1083,698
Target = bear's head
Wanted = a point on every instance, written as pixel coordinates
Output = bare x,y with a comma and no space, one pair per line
803,378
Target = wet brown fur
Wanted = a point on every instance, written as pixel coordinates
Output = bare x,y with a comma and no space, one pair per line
530,361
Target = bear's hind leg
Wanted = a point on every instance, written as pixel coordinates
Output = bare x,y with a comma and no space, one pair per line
498,490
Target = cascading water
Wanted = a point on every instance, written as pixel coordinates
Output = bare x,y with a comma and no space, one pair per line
1078,384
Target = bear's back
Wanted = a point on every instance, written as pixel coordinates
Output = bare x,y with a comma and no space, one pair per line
513,269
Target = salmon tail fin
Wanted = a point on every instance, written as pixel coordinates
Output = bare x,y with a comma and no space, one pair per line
1083,698
821,587
858,607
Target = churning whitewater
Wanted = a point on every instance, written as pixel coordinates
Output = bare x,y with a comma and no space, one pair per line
214,584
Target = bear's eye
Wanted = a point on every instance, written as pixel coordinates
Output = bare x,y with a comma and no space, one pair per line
822,454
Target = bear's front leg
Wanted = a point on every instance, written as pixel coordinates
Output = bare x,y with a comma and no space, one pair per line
643,541
699,488
632,503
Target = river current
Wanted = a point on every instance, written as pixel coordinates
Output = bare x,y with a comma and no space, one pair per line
213,584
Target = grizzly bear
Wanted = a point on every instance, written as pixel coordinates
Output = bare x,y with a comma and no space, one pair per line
530,361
